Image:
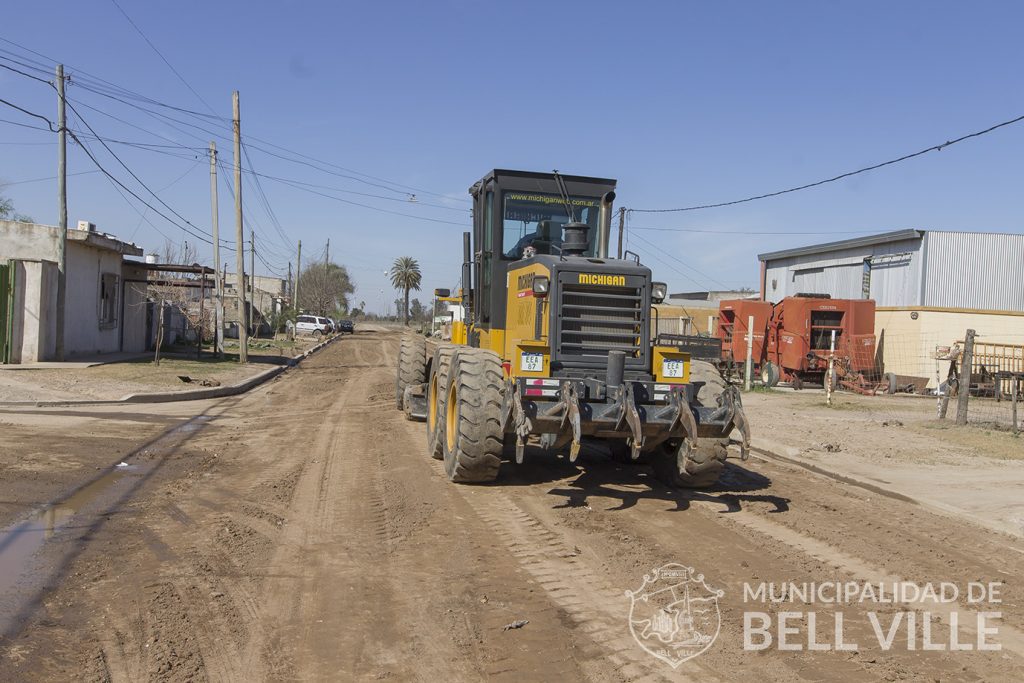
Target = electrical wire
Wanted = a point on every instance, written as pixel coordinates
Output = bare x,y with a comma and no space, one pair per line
905,157
680,261
160,54
751,232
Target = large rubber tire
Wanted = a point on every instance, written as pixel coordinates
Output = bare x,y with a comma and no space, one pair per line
769,374
692,467
437,394
891,383
621,452
714,383
472,432
412,366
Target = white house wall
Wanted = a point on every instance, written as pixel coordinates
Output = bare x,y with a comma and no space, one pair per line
83,334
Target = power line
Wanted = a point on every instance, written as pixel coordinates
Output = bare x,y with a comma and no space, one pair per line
160,54
679,260
933,148
132,173
39,180
26,111
373,208
751,232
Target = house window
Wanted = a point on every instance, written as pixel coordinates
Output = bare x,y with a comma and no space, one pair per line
108,299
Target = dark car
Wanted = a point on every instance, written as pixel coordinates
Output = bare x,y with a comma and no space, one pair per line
346,326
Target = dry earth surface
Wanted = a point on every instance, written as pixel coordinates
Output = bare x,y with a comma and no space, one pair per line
301,532
113,381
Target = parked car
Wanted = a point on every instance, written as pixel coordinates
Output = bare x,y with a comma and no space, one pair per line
334,325
313,324
346,326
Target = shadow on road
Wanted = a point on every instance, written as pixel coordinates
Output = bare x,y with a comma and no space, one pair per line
595,476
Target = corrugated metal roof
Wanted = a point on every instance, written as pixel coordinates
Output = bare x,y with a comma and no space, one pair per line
882,238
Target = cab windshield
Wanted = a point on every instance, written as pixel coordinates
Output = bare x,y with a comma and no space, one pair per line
534,219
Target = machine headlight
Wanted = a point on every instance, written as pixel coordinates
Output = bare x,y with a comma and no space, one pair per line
659,290
541,284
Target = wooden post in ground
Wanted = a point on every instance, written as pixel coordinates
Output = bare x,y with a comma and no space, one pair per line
966,363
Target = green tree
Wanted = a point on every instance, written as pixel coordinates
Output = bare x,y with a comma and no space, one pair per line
417,311
7,212
324,288
406,275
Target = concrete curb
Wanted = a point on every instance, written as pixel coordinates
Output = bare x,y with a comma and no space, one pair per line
770,451
174,396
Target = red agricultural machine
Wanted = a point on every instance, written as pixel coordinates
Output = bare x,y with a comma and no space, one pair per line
792,341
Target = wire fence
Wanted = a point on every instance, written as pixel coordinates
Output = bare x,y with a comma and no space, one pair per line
935,365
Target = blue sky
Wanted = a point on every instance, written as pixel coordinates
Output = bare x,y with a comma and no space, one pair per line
683,102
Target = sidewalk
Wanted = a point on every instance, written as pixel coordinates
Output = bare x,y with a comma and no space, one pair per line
896,445
139,381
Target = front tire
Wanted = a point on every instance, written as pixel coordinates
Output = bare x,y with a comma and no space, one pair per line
412,367
473,438
690,466
769,374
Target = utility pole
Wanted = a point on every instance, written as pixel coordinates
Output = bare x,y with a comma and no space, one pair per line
218,285
327,254
243,317
622,226
252,277
62,212
290,291
298,273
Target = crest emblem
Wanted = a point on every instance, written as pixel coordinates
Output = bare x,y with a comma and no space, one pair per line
674,615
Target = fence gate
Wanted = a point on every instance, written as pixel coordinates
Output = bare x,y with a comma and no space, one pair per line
6,309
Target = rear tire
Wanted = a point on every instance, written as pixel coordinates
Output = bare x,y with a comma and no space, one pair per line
473,437
691,468
769,375
437,394
891,380
317,334
412,367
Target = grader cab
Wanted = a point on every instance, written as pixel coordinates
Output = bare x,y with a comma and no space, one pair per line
554,346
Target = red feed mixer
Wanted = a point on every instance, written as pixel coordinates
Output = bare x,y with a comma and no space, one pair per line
791,341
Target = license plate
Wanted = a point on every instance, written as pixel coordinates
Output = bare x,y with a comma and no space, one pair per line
672,368
531,362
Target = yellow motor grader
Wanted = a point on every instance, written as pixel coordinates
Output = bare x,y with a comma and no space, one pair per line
554,346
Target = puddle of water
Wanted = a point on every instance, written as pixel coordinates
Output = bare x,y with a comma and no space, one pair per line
21,565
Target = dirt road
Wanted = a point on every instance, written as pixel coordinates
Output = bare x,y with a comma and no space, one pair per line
300,532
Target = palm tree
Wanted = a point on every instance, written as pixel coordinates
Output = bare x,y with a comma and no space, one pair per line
405,275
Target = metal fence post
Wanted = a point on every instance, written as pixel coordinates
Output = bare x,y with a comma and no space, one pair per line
831,368
1013,410
966,363
748,368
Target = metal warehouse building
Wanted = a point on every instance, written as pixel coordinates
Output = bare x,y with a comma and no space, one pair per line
929,286
967,270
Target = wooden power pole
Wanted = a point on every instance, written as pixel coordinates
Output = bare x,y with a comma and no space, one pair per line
298,274
218,285
243,317
62,212
252,278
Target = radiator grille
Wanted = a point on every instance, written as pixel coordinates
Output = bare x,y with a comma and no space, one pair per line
596,319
